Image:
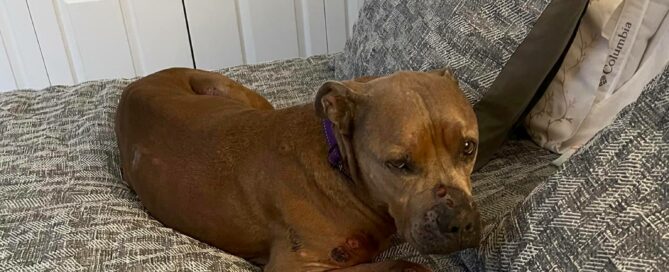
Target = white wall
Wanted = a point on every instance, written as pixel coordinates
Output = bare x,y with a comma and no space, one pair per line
53,42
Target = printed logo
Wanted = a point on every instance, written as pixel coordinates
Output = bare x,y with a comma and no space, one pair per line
613,57
602,80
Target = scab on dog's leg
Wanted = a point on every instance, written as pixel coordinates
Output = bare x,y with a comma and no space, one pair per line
392,266
289,255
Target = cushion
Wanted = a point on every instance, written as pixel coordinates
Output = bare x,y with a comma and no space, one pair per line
598,80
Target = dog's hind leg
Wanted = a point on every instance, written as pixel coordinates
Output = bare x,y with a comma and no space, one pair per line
210,83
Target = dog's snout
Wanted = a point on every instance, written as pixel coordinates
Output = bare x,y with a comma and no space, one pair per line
458,227
458,215
451,223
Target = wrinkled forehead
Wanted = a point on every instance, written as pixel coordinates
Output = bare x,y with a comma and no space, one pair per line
404,105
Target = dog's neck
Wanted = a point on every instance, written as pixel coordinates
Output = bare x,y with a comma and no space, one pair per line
304,124
334,152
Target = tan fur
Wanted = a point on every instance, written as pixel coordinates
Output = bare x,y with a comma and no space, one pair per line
212,159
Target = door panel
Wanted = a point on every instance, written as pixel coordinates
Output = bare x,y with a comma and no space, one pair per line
157,34
214,33
96,35
312,35
7,81
48,31
352,9
336,25
88,40
268,29
69,41
21,45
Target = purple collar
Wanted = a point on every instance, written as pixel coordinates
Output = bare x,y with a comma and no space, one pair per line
334,156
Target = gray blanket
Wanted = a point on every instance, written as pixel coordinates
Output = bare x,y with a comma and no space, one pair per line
606,209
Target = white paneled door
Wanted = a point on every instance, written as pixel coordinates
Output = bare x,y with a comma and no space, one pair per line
21,46
87,40
157,33
56,42
214,30
7,81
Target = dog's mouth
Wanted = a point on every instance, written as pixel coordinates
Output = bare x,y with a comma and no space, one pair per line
443,232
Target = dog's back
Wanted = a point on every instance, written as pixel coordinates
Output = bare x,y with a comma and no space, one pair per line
176,130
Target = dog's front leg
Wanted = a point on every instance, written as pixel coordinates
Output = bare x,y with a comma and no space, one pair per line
283,259
392,266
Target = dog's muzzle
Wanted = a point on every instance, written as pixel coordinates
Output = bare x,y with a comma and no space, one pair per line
452,224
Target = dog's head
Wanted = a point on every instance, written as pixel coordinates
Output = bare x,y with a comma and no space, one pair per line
409,140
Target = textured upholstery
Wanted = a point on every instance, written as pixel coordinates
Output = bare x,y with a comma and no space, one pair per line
475,38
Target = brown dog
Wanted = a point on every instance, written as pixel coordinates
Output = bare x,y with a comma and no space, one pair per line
212,159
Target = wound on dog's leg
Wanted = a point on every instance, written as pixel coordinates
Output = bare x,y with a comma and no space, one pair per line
339,255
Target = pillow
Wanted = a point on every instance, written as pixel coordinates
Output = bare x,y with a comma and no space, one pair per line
615,54
476,39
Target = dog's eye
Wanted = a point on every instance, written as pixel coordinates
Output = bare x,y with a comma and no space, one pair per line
401,164
469,148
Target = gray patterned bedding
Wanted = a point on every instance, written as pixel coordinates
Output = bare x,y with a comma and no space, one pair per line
607,208
64,206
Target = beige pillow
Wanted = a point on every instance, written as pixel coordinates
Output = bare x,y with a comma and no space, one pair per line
604,57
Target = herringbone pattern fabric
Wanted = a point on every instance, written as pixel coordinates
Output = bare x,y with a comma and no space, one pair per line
285,83
606,209
475,38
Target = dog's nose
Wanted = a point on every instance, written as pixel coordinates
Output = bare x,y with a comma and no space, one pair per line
458,217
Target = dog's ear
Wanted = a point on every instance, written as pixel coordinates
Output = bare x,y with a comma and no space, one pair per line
445,72
336,101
